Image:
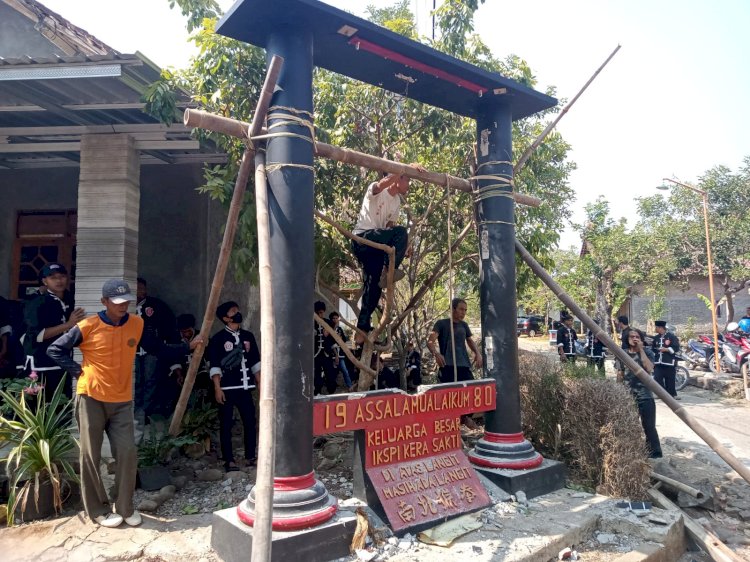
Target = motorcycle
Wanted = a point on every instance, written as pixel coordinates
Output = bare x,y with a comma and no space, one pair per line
698,354
735,351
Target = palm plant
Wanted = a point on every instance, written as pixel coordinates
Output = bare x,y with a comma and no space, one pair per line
40,440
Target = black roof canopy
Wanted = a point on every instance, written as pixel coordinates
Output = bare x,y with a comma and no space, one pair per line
369,53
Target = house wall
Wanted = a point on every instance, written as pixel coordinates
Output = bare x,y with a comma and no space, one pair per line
681,305
30,190
180,231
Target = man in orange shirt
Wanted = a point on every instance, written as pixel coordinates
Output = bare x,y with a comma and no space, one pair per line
104,401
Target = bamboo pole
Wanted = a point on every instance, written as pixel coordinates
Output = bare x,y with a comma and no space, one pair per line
677,485
262,528
264,102
202,119
709,542
534,145
342,344
642,375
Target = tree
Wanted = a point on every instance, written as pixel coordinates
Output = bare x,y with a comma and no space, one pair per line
225,77
677,221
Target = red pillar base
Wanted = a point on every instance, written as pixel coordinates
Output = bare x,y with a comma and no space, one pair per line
505,450
299,502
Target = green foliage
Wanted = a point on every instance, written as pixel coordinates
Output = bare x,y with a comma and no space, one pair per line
688,332
225,78
14,387
196,11
155,449
675,225
200,422
190,509
37,444
160,98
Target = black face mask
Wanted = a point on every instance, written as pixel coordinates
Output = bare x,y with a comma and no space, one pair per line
237,318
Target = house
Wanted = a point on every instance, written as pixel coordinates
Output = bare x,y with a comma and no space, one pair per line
90,180
683,307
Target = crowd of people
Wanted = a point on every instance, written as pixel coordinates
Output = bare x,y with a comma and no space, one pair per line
132,368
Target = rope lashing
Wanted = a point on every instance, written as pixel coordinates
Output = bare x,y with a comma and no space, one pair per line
502,185
282,116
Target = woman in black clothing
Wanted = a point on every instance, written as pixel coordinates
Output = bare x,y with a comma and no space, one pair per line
643,397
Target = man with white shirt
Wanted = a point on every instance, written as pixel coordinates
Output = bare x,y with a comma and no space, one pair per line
377,222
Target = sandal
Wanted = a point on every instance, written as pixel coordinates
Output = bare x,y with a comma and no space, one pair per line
230,466
252,462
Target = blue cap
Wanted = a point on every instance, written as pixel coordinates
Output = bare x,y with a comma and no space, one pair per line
52,268
117,290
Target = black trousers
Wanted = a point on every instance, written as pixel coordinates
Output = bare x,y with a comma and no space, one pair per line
647,411
243,401
665,376
447,374
51,380
597,362
372,261
324,373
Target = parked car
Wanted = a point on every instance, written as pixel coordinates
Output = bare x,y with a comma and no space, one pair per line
530,325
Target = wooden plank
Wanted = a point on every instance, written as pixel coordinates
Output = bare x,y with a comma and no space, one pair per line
706,539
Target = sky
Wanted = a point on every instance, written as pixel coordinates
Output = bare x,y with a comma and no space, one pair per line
672,103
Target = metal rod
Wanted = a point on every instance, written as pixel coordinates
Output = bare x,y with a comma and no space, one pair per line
534,145
714,322
204,120
642,375
246,165
677,485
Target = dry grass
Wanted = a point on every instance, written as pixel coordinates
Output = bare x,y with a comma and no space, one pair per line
588,422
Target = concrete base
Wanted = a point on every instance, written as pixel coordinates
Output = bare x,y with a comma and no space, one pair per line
233,540
547,477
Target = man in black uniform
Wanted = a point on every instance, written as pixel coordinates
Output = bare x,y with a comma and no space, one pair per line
665,346
200,395
566,340
235,367
323,370
594,351
52,316
151,383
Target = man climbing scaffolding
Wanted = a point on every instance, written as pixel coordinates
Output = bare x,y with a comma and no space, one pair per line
377,223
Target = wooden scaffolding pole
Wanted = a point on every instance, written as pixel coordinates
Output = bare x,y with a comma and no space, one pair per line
642,375
262,528
534,145
204,120
264,102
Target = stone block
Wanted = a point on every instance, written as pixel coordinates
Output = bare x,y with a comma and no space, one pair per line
233,540
547,477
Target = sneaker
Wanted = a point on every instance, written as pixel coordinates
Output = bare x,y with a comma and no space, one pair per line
110,520
135,519
398,275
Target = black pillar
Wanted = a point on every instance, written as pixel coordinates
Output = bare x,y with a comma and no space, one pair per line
300,500
503,444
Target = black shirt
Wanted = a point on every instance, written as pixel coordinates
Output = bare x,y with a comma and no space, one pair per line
566,338
50,311
242,375
158,318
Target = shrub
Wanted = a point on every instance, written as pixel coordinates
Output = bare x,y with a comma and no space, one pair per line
37,447
574,415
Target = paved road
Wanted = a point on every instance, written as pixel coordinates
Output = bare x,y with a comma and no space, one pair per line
727,419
